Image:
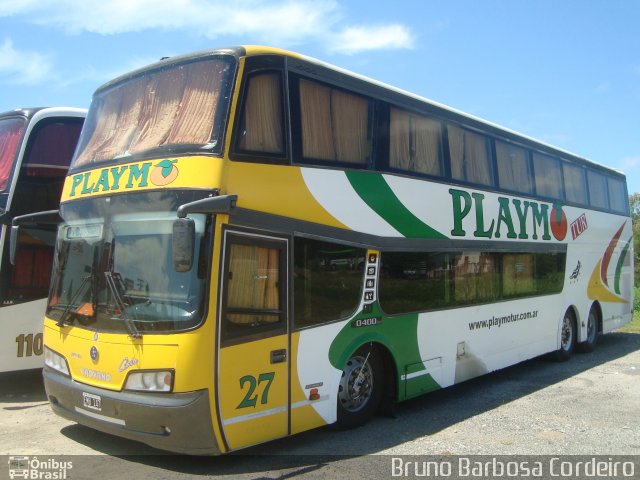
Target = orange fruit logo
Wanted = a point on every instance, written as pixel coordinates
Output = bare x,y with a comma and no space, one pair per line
164,173
558,222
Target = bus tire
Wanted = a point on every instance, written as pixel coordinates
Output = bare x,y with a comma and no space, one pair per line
593,332
568,332
360,389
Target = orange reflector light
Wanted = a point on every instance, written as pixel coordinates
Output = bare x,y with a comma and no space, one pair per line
85,309
314,395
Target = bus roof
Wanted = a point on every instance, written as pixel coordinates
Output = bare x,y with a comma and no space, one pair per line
463,117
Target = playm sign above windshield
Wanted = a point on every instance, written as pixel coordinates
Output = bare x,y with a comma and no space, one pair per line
167,173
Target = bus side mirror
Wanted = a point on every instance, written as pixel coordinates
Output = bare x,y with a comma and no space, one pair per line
184,234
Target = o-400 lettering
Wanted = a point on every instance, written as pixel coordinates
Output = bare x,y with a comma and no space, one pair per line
366,322
250,400
29,345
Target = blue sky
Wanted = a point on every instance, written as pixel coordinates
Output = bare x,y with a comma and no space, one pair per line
566,72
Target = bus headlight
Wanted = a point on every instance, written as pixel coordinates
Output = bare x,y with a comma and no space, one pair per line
150,381
56,361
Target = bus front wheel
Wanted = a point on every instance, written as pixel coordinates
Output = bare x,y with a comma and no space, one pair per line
360,388
568,333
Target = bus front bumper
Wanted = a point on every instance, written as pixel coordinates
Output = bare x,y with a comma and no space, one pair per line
178,422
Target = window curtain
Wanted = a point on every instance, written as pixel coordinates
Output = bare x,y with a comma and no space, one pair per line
334,124
10,133
176,106
574,184
253,283
469,156
262,116
597,190
617,198
513,168
547,176
414,143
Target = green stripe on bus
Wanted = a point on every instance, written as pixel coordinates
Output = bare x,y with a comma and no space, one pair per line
376,193
625,250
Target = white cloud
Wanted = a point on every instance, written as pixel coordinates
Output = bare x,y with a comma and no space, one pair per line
23,66
13,7
353,40
630,163
269,21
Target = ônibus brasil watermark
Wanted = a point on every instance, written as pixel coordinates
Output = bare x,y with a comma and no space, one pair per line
38,468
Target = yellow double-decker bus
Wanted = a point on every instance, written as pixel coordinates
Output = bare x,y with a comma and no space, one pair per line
255,244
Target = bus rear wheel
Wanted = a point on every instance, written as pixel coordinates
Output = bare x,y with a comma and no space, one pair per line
568,333
593,332
360,389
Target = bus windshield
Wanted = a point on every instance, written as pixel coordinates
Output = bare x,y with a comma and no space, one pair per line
11,130
114,273
176,108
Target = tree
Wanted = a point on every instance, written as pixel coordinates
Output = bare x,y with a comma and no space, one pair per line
634,206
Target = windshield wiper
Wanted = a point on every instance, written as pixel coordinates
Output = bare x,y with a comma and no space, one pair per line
63,318
111,283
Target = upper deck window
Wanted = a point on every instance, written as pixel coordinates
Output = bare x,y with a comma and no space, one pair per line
548,176
180,105
574,183
261,125
335,126
10,132
414,143
469,156
513,168
597,190
618,200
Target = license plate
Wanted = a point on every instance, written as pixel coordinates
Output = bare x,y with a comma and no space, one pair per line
89,400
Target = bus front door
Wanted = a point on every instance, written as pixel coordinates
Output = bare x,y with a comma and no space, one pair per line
253,358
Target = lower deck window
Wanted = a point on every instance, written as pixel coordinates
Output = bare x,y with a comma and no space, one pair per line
254,288
327,281
412,282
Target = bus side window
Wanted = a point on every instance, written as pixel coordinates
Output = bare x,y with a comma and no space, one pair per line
255,285
261,125
617,196
514,172
336,125
574,183
414,143
415,281
598,194
469,153
327,281
548,177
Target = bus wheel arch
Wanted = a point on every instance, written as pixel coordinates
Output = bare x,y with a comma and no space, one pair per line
567,335
363,386
593,328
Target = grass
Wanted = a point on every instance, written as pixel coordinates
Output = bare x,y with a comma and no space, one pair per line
634,325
